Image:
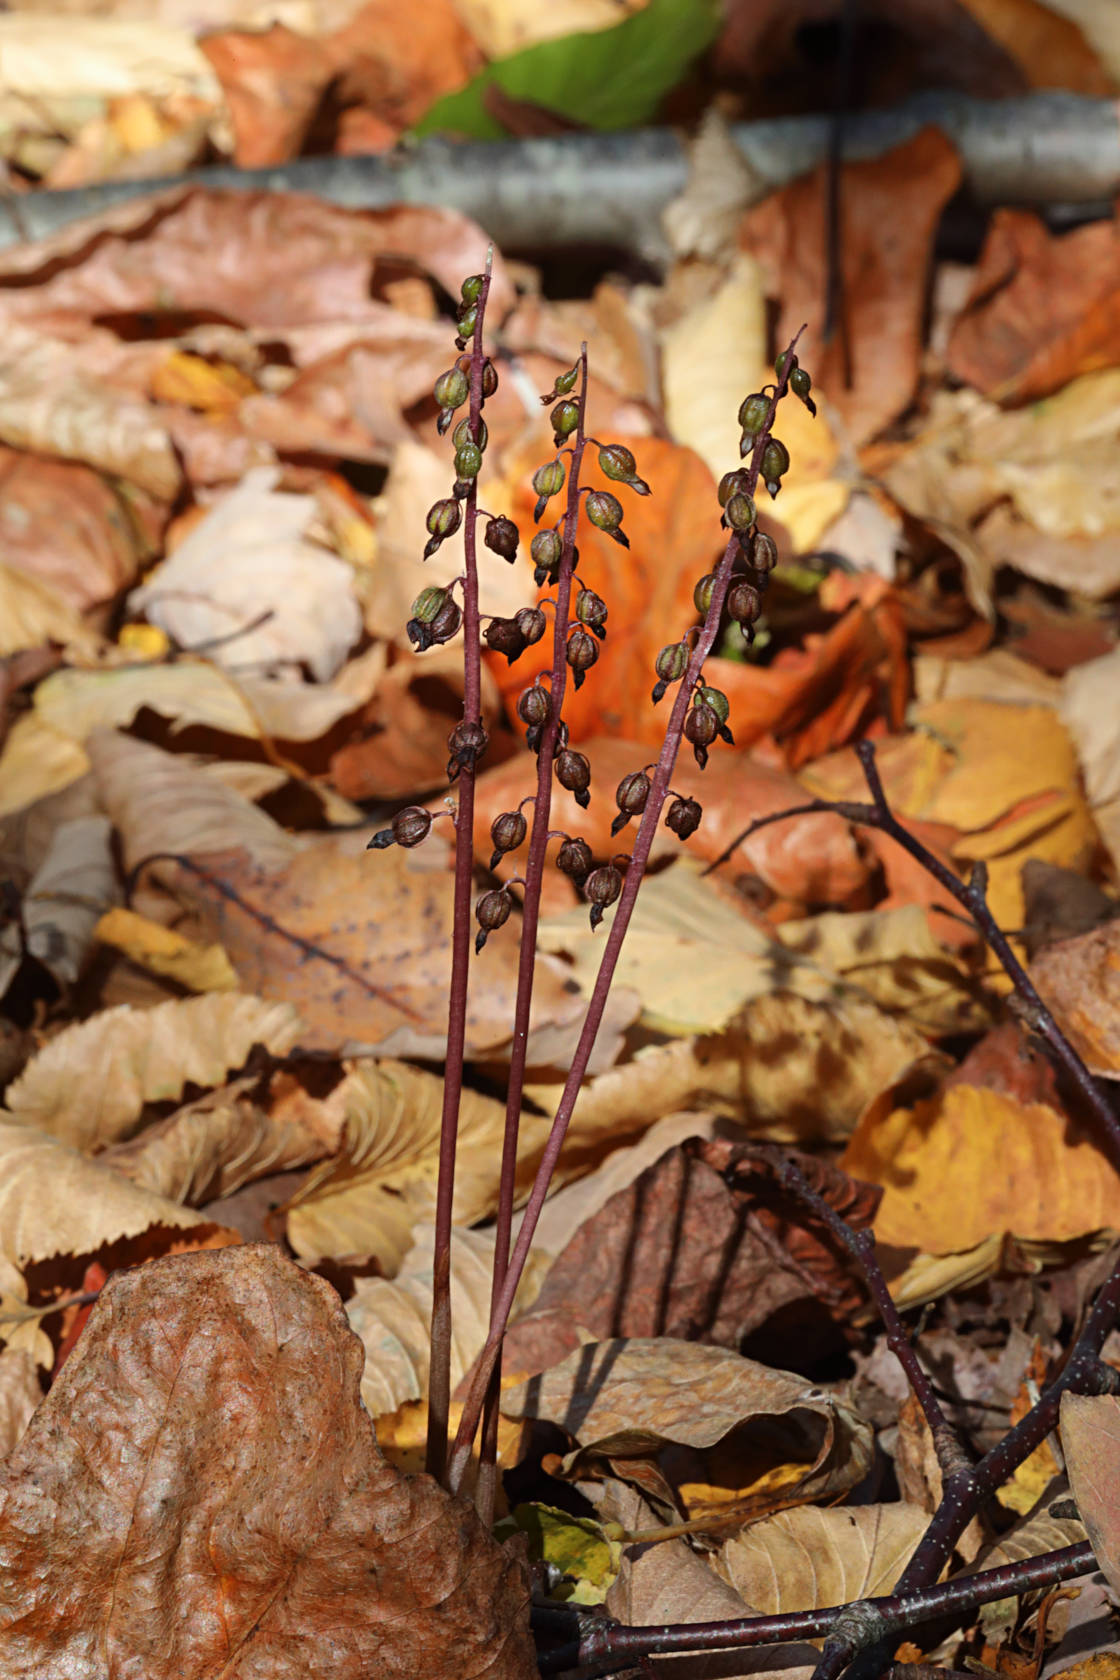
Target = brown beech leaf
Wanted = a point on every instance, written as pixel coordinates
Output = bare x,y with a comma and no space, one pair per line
702,1432
811,1557
202,1495
890,209
702,1246
67,527
1090,1426
1080,980
20,1394
809,860
1043,308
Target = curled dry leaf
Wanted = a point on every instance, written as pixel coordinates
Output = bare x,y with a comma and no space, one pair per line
702,1432
971,1164
89,1085
66,528
811,1557
1090,1426
210,1417
33,614
1090,717
163,951
250,555
1080,980
20,1393
73,884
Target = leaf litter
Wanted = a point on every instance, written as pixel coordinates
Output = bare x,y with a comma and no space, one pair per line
217,444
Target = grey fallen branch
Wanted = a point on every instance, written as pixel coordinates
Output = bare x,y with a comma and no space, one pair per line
1052,149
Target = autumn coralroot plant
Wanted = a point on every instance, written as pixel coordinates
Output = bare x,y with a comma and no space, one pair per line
699,716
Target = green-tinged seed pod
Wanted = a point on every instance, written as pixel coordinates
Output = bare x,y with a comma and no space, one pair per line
566,382
547,481
468,461
716,699
744,603
705,589
764,552
683,817
429,604
507,831
546,549
739,512
532,624
565,418
753,413
775,459
783,361
574,858
617,462
502,536
604,510
489,378
466,744
503,636
591,609
491,911
800,382
601,888
573,771
468,320
737,483
408,828
534,706
701,726
463,433
444,518
671,662
452,388
471,289
630,797
582,652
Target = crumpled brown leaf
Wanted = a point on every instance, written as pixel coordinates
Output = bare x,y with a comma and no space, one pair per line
201,1495
702,1246
699,1430
1091,1442
811,1557
1080,980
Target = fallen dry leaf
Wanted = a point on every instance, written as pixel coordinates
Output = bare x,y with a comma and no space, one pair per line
971,1163
700,1431
88,1086
811,1557
890,207
1090,1426
20,1393
1080,981
162,951
1043,308
1090,717
240,1452
33,615
63,524
74,883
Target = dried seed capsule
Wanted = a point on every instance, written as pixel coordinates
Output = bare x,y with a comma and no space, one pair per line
701,726
501,536
744,603
574,858
546,549
630,796
800,382
532,624
489,378
602,887
705,589
436,618
503,636
565,418
464,433
721,706
582,652
764,552
407,828
471,289
591,609
491,911
733,484
452,388
605,512
683,817
739,512
534,706
754,412
775,462
617,462
573,771
547,481
466,744
444,519
785,358
468,461
429,603
670,667
507,832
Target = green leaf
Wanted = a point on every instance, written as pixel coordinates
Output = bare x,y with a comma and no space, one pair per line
610,78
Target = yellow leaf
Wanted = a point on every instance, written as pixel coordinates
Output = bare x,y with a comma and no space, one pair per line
213,387
146,641
201,968
36,761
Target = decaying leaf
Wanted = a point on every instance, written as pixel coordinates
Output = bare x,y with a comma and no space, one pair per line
812,1556
702,1432
73,884
1080,980
20,1393
210,1417
1090,1426
1090,717
89,1085
200,968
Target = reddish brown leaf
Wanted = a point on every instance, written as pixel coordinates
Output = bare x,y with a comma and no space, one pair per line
64,525
890,207
273,81
1043,308
1091,1443
201,1495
